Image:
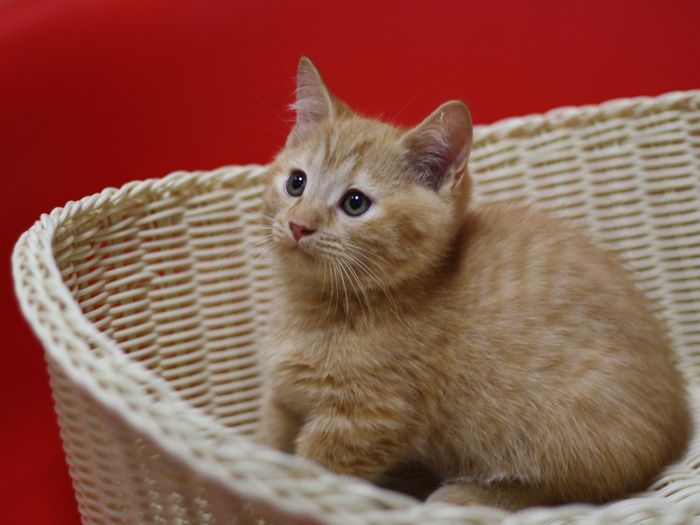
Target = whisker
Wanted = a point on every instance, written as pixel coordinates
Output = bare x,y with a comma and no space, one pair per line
268,107
364,259
254,248
333,300
364,299
273,130
408,104
345,289
328,269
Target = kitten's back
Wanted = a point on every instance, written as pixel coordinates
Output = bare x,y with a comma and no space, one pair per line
566,355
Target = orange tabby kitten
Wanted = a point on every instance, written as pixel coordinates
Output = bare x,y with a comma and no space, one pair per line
495,346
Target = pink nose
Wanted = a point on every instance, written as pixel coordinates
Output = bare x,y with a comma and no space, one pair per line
300,229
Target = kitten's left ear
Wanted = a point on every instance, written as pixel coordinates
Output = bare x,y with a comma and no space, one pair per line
314,103
313,98
436,150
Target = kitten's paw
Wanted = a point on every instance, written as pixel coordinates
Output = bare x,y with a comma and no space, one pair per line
501,495
456,494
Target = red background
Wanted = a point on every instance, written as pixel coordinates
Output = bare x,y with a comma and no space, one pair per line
94,94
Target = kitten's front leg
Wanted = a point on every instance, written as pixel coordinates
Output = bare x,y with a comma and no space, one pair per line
365,445
278,427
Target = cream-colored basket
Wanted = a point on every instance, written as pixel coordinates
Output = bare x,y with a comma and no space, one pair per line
150,302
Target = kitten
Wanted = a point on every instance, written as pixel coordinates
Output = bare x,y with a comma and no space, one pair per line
497,347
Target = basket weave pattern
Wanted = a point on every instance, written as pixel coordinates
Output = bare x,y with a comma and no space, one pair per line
150,303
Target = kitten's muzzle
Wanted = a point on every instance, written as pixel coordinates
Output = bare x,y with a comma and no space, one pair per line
300,229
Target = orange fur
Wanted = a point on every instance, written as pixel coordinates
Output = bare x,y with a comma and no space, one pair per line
496,346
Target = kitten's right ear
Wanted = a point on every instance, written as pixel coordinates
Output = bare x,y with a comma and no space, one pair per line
436,150
314,101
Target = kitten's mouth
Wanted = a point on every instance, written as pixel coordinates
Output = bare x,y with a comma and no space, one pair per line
302,251
299,250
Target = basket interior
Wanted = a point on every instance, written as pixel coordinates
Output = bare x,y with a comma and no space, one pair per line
176,282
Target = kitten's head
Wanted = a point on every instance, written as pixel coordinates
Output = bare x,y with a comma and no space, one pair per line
356,202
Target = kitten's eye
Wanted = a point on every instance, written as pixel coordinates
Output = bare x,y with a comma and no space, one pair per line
356,203
296,182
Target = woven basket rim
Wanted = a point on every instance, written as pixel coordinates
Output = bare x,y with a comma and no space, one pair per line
577,116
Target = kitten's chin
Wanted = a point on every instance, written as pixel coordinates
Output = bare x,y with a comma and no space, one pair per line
296,252
297,262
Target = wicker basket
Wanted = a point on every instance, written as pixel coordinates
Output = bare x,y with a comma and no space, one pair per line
150,301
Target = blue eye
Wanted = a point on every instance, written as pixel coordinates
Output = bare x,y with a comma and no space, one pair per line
296,182
356,203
